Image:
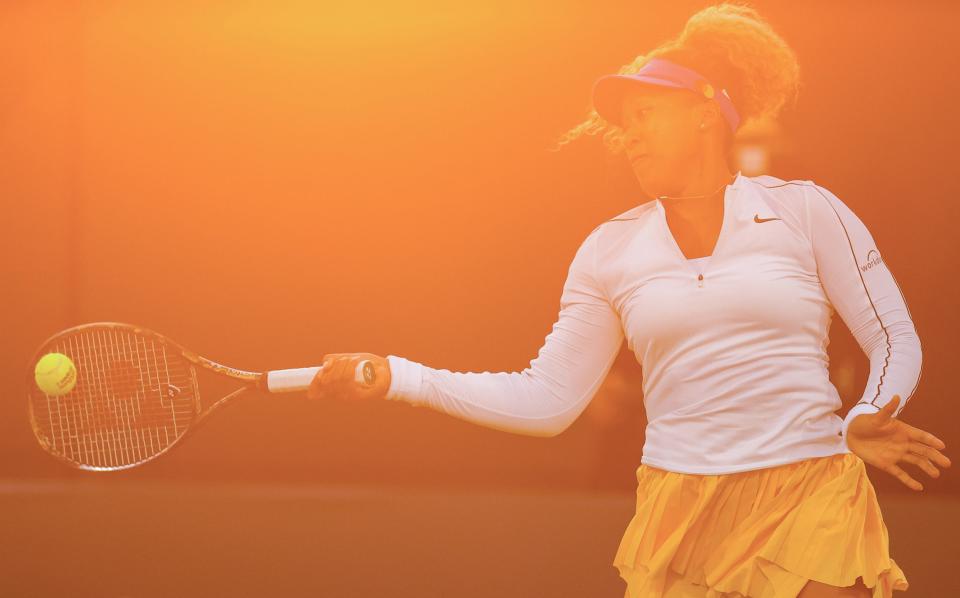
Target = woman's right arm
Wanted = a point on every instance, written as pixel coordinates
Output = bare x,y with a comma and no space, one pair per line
545,398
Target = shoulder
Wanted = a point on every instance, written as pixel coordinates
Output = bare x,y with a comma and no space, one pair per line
818,211
621,223
612,233
608,232
768,181
804,199
780,190
795,189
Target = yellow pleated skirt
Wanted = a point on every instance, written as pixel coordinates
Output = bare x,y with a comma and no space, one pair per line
759,534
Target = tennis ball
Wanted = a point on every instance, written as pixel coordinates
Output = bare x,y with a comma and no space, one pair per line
55,374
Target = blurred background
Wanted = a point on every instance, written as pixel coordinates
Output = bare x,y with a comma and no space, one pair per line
270,182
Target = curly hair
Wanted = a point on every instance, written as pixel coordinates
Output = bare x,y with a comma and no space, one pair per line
733,47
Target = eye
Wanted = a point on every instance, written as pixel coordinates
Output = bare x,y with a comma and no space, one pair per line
637,114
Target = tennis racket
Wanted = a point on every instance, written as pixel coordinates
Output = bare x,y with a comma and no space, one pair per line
136,395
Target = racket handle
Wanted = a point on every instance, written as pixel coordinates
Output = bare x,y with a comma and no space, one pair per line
294,380
299,379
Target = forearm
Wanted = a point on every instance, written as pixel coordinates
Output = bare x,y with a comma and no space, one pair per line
895,369
543,400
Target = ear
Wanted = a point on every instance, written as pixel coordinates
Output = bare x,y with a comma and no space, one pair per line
709,114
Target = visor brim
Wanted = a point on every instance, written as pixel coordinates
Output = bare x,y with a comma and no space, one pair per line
608,92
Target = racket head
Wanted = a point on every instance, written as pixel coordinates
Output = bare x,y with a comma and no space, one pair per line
135,397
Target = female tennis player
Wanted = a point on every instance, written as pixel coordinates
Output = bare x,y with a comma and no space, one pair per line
724,287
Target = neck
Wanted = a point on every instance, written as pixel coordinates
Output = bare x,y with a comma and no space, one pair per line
701,192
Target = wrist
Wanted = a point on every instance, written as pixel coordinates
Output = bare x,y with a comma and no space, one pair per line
858,409
406,377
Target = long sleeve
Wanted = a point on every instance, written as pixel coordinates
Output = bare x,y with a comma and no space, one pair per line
863,291
545,398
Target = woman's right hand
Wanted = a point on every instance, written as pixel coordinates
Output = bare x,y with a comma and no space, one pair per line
337,377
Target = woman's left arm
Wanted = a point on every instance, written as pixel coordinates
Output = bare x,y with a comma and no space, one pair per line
865,294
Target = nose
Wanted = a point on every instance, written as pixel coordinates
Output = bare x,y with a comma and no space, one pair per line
631,137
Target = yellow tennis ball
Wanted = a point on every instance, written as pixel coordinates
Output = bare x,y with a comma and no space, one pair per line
55,374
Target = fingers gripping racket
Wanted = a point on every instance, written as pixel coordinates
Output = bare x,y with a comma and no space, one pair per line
136,395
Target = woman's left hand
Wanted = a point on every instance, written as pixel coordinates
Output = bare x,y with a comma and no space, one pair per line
883,440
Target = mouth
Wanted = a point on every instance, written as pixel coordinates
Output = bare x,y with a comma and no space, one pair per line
637,159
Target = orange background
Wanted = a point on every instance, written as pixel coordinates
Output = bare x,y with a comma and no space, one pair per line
270,182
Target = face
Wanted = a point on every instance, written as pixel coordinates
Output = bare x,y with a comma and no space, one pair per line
662,136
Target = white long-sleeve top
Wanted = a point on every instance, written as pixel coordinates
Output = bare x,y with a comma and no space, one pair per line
733,348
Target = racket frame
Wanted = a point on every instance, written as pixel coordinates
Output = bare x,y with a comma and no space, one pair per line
251,380
273,381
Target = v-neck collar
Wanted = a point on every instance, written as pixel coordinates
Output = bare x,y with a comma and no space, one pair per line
738,182
731,211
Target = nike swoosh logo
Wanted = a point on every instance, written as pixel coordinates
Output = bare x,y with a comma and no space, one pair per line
757,218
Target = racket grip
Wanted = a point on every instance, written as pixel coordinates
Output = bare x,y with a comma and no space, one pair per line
300,378
294,380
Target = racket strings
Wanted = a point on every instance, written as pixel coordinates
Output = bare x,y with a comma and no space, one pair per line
132,400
